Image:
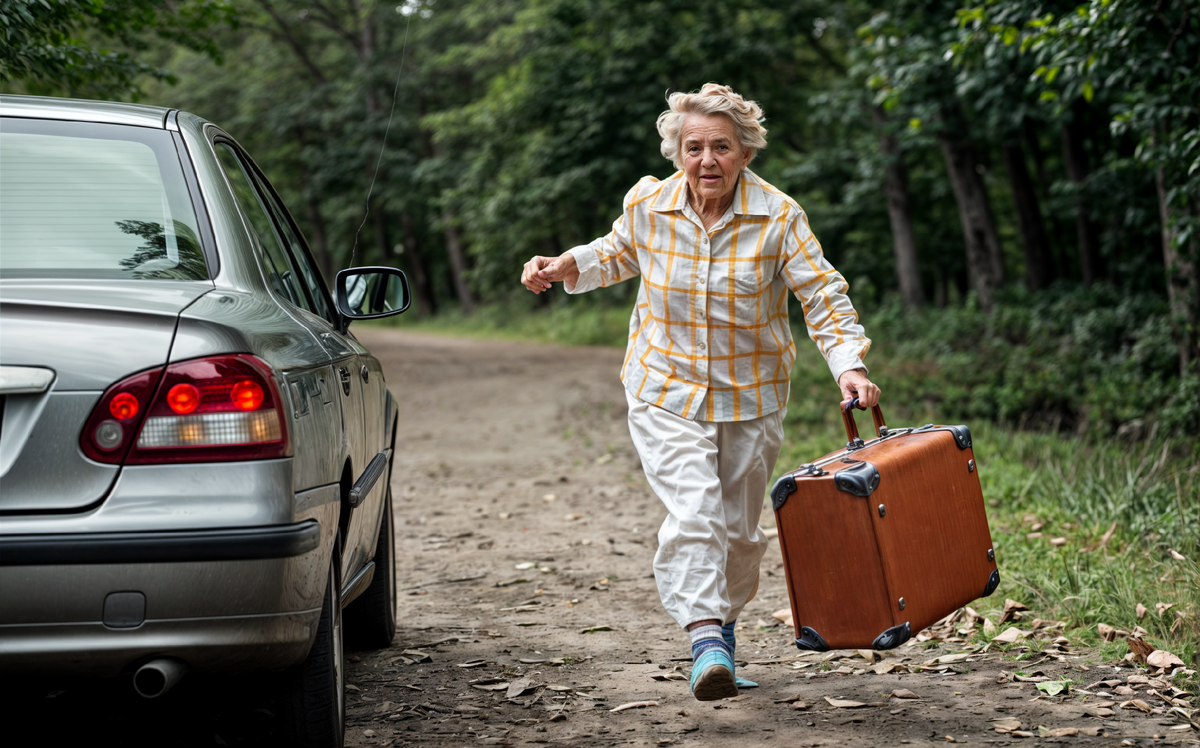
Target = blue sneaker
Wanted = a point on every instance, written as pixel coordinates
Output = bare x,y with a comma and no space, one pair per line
731,641
712,671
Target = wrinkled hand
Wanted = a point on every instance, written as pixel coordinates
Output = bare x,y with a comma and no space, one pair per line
854,383
540,272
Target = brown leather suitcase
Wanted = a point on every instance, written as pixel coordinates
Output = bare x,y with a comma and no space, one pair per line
885,537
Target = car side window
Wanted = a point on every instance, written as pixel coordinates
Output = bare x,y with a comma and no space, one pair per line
309,275
281,275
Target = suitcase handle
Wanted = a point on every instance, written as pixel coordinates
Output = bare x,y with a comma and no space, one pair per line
852,437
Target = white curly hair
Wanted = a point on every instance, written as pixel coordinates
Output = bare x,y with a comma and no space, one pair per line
713,98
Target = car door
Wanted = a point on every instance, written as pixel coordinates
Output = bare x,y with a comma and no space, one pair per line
326,396
357,373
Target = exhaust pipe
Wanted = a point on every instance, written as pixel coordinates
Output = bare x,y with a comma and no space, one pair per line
158,676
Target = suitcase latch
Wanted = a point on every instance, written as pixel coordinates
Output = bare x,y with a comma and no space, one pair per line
810,471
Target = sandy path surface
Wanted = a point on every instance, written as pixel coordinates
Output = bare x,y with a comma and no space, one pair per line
525,533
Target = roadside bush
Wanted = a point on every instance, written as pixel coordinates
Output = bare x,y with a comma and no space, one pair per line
1067,359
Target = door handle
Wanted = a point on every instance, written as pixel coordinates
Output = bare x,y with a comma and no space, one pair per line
366,374
344,375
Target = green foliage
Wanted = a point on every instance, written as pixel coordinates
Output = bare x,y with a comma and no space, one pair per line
61,46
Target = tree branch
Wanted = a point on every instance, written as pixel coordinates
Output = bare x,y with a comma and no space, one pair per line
285,34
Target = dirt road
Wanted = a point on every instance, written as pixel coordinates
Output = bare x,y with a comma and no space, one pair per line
525,535
528,614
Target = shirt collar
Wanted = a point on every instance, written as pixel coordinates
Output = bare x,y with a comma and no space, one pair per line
748,199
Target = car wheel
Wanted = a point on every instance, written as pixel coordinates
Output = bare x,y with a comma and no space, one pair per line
313,696
371,619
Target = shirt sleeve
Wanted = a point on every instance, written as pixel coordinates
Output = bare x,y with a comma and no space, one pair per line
611,258
830,317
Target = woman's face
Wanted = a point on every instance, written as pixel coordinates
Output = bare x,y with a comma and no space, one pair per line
713,157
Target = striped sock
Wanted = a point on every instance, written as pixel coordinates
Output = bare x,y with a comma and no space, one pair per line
712,664
707,637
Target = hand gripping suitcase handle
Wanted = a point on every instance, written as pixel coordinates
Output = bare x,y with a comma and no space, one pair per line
852,438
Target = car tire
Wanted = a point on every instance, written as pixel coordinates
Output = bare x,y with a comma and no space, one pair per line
371,619
313,693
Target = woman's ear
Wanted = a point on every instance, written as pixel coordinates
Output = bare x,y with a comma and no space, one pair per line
749,154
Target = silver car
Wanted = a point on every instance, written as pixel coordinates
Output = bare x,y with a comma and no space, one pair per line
195,453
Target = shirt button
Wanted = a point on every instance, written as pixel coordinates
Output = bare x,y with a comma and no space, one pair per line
702,346
702,281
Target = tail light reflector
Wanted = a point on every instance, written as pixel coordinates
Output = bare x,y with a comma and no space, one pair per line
215,409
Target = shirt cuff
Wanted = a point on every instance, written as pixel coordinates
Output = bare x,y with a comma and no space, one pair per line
588,265
845,357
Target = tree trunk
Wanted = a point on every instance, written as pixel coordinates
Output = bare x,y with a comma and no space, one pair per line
426,303
1077,171
984,260
1039,263
904,238
1182,281
458,262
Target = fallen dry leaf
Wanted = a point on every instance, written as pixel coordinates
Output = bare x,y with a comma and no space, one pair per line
1012,611
783,616
1140,648
1138,704
634,705
1022,734
869,655
1163,608
800,706
1058,542
1060,732
594,629
1176,555
518,687
903,693
1004,725
1142,610
885,667
844,703
1163,659
1107,633
952,658
789,700
1107,536
1010,635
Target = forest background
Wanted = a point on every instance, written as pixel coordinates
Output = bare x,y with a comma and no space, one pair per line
1011,187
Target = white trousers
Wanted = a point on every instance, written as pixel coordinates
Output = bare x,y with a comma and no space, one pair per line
712,477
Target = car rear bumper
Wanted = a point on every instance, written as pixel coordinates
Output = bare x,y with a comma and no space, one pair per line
217,544
219,644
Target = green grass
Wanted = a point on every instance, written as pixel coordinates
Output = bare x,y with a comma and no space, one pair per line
1076,487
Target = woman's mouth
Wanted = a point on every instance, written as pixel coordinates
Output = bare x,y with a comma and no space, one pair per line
710,178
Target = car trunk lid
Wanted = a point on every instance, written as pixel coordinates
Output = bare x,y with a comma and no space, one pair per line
87,335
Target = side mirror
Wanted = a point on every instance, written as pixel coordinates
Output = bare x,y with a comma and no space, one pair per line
371,292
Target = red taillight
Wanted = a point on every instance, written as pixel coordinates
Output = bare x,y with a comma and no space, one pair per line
215,409
123,406
183,398
246,395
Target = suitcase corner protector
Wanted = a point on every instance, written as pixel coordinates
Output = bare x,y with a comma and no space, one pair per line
992,583
893,637
811,641
784,487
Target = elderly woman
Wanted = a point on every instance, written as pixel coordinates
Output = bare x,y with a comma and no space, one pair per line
707,369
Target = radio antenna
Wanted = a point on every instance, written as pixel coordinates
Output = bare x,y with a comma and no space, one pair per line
383,144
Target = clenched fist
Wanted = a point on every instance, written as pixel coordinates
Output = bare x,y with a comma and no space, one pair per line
540,272
854,383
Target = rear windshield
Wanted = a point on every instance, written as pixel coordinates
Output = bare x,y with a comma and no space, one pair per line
83,200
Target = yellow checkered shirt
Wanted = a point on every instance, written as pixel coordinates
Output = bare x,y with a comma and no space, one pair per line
709,337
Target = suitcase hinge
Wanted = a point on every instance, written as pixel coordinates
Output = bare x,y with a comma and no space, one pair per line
855,445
